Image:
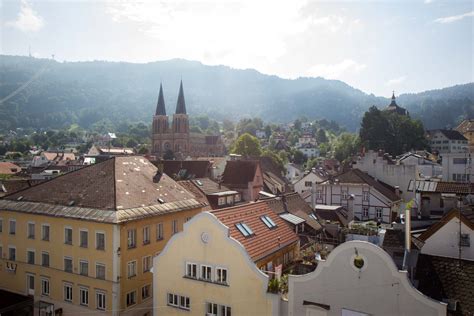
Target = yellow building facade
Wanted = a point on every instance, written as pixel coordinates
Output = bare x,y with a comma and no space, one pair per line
204,271
76,259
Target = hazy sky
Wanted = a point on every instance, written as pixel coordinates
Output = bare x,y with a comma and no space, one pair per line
376,46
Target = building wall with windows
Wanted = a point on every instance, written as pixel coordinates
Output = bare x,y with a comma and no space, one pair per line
18,273
137,255
457,167
188,275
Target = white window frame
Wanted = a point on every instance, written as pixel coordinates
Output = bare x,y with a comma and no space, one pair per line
67,291
131,264
43,282
191,264
146,235
135,298
216,308
226,281
101,232
237,198
28,250
344,194
66,228
377,210
365,196
28,236
149,291
81,262
64,264
365,211
221,201
131,238
82,290
148,264
83,230
97,264
9,254
100,299
159,231
49,257
43,230
201,270
10,221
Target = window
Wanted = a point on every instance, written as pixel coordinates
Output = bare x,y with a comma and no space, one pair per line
100,300
221,201
459,161
1,252
191,270
100,271
146,291
237,198
213,309
68,236
83,238
11,253
12,230
100,241
174,226
221,275
286,258
378,212
344,195
206,273
84,296
132,236
146,262
365,212
84,267
244,229
132,269
68,292
365,196
30,257
68,264
132,298
45,286
268,221
465,240
319,195
313,216
179,301
159,231
146,235
45,232
1,225
31,230
308,184
45,259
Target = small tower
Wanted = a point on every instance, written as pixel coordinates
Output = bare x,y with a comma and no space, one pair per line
180,124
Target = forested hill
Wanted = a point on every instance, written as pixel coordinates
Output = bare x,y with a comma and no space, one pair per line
42,93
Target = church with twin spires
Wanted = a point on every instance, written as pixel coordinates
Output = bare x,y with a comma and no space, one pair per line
177,137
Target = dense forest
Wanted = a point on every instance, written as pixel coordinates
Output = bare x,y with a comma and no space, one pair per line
43,93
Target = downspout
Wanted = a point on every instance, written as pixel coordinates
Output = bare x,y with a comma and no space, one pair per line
406,256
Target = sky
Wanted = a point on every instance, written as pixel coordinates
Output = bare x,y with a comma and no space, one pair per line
376,46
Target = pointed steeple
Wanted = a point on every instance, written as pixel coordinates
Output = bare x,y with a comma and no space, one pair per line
393,95
160,106
393,103
181,105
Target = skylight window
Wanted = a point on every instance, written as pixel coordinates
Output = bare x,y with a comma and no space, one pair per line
313,216
244,229
268,221
199,183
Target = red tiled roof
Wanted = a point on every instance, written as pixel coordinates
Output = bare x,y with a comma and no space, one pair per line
189,185
454,187
265,241
9,168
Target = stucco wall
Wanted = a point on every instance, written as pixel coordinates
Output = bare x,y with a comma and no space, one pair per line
376,289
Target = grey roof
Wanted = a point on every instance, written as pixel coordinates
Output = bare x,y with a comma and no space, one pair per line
160,106
99,215
181,104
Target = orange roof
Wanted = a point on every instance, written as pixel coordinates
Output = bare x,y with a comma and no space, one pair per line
58,156
9,168
264,241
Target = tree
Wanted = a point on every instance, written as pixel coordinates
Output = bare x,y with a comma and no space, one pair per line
298,157
347,145
247,145
321,137
168,155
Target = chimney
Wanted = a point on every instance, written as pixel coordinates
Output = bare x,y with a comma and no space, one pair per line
397,190
157,176
406,257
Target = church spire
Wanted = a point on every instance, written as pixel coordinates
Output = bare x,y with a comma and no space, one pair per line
393,95
181,105
160,106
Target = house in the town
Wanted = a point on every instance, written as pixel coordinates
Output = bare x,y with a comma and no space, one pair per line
244,176
358,278
306,182
446,141
214,276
